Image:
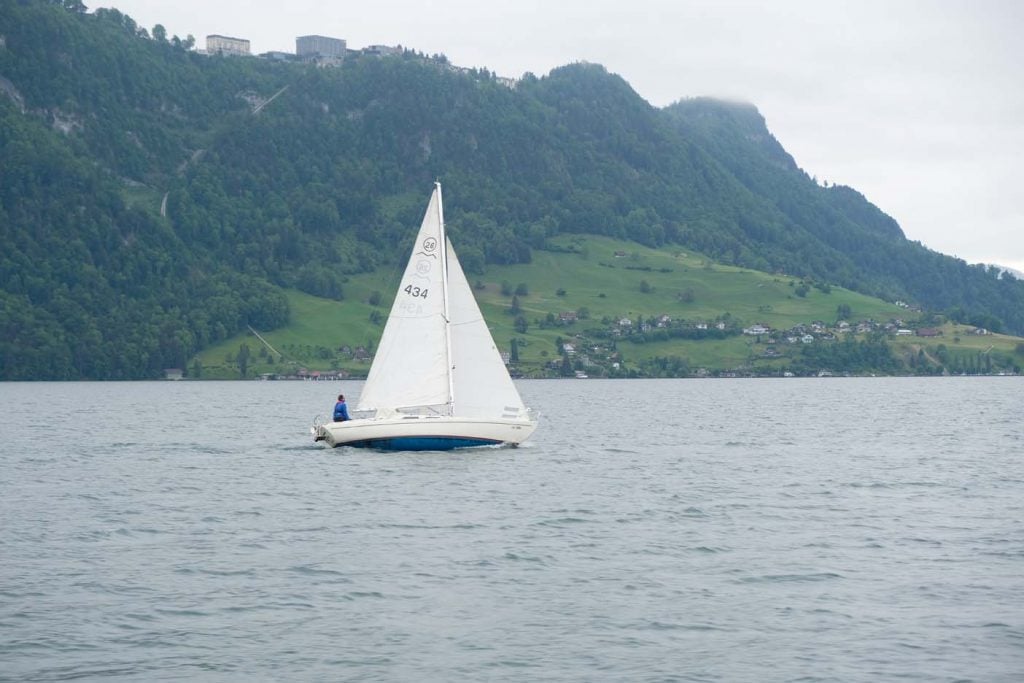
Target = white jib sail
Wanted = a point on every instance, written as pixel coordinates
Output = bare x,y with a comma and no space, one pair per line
410,368
482,386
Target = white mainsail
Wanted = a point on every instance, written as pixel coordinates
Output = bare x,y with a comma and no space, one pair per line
410,367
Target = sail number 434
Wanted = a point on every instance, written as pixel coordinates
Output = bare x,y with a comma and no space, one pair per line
415,291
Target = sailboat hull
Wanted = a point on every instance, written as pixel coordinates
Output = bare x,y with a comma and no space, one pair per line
423,433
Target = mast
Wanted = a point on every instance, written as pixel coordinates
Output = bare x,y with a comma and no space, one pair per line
444,291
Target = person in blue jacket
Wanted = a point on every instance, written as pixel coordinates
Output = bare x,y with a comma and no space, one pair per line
341,410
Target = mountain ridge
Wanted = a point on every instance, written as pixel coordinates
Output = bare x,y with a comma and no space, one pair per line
326,181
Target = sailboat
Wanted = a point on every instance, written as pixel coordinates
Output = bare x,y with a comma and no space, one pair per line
437,381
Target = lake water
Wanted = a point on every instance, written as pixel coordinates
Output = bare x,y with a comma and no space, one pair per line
663,530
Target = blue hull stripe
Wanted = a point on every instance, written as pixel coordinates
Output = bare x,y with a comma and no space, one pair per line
421,443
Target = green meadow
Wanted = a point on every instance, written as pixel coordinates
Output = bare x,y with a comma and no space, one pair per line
603,278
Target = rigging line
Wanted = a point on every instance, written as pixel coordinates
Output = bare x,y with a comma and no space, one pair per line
446,246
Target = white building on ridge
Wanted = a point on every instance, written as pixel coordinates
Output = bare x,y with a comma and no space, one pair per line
226,45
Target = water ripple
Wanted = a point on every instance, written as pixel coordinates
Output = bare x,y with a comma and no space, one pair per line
726,530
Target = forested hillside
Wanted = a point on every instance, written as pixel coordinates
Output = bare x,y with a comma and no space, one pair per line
92,113
100,119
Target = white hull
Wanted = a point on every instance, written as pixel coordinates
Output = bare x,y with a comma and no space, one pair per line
423,432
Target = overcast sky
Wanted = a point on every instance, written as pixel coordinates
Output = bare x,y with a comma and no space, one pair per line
918,104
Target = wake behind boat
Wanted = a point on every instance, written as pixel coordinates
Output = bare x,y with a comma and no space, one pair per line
437,381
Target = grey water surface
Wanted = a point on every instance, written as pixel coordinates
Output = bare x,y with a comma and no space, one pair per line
662,530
